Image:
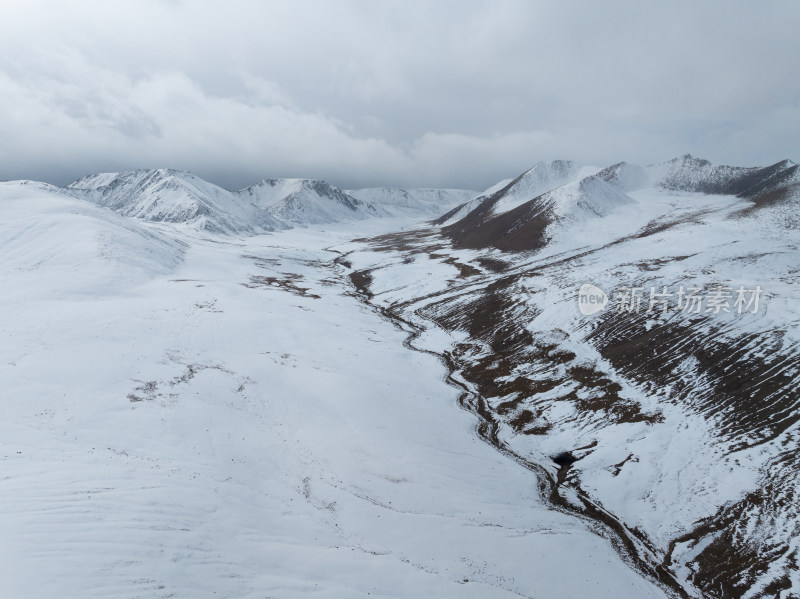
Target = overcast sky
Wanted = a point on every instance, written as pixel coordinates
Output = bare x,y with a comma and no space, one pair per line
361,93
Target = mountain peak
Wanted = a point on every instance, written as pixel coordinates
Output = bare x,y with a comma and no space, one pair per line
174,196
305,201
688,159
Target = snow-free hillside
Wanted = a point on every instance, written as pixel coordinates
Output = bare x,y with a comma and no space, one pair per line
676,419
306,201
192,416
58,245
413,202
168,195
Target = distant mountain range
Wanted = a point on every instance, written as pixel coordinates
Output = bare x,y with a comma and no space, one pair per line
167,195
515,214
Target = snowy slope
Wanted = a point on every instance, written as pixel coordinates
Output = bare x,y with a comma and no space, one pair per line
306,201
413,202
46,234
521,216
509,194
191,416
541,178
232,422
170,196
462,210
531,224
626,177
687,173
167,195
683,423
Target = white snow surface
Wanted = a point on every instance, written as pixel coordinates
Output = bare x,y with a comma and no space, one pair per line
413,202
539,179
470,205
185,415
168,195
46,234
678,470
587,198
306,201
190,412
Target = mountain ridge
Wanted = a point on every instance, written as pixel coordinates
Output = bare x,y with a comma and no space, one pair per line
530,220
673,429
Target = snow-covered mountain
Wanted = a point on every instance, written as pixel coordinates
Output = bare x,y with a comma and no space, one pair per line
669,408
306,201
525,213
172,196
510,193
413,202
167,195
529,211
185,413
687,173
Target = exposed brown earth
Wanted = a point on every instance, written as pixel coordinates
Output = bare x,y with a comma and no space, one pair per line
486,320
287,282
509,370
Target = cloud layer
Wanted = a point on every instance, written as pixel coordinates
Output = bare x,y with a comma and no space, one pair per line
457,94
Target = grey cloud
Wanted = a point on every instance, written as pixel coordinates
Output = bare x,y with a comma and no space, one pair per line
403,93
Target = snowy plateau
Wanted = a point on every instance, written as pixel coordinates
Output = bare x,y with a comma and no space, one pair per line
294,390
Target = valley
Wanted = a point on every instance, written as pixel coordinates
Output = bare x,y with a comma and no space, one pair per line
295,390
